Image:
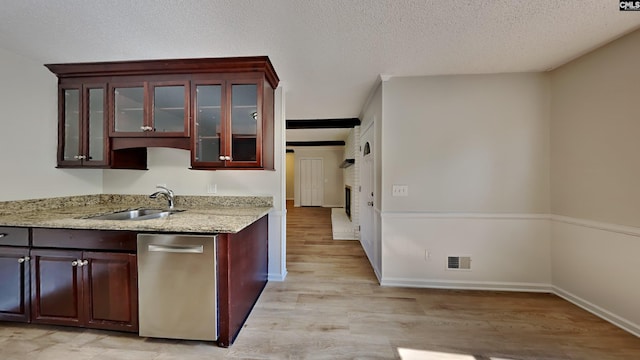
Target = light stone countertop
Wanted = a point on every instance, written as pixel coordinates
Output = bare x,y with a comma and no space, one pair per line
202,214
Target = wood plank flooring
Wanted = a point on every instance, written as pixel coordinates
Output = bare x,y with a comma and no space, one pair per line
331,307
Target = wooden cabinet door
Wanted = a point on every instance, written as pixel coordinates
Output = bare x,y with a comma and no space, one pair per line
14,284
111,291
56,291
243,147
82,129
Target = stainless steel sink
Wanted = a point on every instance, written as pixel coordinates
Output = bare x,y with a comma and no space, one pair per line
140,214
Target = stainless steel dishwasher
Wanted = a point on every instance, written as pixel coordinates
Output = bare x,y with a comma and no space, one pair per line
177,286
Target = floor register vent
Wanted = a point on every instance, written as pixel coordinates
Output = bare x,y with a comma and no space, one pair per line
459,263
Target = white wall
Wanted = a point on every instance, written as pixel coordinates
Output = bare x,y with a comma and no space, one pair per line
332,157
29,136
474,152
595,188
467,143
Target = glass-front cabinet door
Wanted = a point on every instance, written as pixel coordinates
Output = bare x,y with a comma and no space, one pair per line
207,145
170,115
128,109
245,122
70,148
155,109
227,123
83,123
96,139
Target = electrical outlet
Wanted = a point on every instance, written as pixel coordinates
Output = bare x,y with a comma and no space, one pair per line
212,188
400,190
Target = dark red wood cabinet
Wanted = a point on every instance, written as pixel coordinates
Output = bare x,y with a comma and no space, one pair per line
14,273
82,124
14,283
221,109
87,288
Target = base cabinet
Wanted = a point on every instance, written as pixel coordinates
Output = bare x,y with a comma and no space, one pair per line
110,291
89,289
56,287
14,283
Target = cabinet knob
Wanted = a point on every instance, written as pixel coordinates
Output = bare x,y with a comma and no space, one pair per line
23,259
85,262
143,128
3,235
74,263
227,157
221,157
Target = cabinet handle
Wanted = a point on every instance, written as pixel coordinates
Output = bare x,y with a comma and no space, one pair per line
3,235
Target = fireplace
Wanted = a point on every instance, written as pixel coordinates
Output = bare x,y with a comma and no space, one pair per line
347,201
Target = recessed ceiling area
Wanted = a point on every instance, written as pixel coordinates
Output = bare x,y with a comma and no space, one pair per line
328,54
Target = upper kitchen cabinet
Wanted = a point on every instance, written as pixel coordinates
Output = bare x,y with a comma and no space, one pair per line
149,109
233,123
221,109
83,140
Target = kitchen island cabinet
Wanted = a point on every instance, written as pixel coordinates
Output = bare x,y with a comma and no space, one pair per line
84,272
14,274
14,283
73,286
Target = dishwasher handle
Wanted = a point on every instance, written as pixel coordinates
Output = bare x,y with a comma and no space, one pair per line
185,249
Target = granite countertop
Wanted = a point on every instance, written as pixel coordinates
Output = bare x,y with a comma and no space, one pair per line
202,214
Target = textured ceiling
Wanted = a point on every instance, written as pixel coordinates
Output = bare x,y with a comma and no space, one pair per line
328,53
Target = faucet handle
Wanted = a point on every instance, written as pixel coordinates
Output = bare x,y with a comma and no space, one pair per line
169,191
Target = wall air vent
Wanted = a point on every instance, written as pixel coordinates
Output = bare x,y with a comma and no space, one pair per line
459,263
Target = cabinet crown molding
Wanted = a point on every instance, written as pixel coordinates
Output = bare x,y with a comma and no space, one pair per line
249,64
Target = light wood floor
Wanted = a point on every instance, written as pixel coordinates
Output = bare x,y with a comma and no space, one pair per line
331,307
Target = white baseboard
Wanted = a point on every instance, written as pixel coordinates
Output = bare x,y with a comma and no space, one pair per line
344,236
468,285
277,277
333,206
599,312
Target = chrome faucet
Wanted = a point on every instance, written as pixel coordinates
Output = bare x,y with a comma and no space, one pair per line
168,194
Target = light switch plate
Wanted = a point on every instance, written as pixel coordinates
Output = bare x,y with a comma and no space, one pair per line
400,190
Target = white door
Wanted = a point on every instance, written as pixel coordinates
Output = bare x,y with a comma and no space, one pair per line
311,182
367,201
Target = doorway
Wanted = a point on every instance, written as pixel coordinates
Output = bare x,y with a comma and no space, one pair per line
367,201
311,182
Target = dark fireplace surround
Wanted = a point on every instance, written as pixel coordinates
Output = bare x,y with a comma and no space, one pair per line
347,201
